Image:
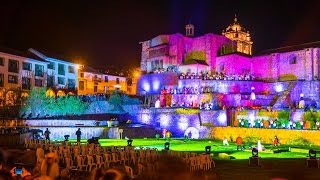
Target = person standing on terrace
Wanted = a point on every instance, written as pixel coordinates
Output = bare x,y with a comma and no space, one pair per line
78,133
47,135
239,143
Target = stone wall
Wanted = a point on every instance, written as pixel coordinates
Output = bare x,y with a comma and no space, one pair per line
178,124
266,135
234,64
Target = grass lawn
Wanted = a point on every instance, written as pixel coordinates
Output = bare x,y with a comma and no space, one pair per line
199,146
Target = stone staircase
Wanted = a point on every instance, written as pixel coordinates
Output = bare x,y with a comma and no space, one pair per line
280,99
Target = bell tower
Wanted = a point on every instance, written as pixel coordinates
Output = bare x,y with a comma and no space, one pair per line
189,30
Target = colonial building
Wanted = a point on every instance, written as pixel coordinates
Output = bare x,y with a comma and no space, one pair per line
222,66
61,74
92,81
238,34
21,71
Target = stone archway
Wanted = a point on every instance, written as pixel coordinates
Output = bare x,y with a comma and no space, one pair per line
61,93
50,93
193,131
11,98
2,97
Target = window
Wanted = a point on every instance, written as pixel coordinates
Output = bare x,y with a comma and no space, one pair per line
71,84
82,75
61,80
106,79
292,59
38,82
38,70
50,81
13,66
51,65
71,69
61,69
12,79
1,80
26,66
95,87
81,85
221,67
117,81
157,64
26,83
1,61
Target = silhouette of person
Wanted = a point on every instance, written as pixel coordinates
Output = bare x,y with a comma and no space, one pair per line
78,133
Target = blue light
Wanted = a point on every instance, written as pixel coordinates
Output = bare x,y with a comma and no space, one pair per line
165,120
156,85
183,123
279,88
146,86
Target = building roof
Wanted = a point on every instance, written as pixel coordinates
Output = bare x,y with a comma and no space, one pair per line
46,54
195,61
90,70
290,48
26,54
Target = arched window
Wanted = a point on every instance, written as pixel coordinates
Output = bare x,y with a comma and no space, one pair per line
292,59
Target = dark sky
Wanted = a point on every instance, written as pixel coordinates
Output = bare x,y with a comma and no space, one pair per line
105,33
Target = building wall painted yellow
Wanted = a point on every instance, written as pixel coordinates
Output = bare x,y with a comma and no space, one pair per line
96,83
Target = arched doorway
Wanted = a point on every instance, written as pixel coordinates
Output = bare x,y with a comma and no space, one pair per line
11,98
61,93
50,93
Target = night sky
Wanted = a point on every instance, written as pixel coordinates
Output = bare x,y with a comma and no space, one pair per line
105,33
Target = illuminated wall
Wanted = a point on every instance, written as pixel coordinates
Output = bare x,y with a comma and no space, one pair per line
95,82
234,64
153,83
179,124
61,127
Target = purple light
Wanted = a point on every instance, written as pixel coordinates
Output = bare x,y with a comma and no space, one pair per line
222,118
194,132
183,123
165,120
279,88
146,86
145,118
156,85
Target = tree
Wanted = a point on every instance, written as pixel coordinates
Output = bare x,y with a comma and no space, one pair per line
116,101
39,104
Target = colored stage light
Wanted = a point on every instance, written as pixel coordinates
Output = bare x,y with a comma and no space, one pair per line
222,118
165,120
145,118
193,132
279,88
146,86
156,85
183,124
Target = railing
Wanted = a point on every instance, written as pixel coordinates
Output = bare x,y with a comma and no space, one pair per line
96,79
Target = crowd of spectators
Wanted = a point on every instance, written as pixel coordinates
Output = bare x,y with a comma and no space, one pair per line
217,76
49,167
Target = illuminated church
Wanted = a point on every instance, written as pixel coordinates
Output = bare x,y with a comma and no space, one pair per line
184,70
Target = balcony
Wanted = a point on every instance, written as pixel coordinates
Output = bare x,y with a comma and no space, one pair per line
96,79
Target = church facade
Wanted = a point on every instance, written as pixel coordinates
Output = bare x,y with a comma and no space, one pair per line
218,62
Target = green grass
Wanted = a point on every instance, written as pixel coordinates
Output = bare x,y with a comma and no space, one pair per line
199,147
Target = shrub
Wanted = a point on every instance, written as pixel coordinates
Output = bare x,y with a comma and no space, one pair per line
284,115
251,139
299,141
